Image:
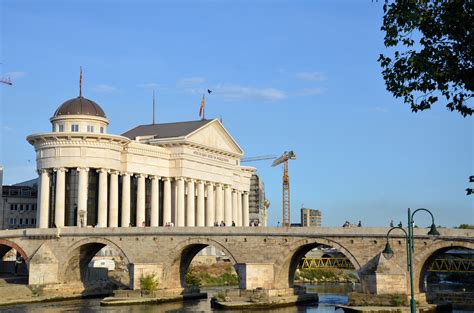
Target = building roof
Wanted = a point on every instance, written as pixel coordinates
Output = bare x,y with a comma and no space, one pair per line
80,106
168,130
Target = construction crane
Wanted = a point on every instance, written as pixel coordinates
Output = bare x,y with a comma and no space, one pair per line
258,158
288,155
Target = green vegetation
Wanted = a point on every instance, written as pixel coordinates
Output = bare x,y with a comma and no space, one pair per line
325,275
212,275
148,283
466,226
432,49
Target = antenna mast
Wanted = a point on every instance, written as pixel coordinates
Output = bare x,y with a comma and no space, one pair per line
153,106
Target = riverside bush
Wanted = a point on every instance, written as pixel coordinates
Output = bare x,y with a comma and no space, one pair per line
148,283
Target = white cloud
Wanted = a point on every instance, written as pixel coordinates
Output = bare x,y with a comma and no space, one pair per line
6,128
243,92
14,75
192,81
309,92
103,88
311,76
378,110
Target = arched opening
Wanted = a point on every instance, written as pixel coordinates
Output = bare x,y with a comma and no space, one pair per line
13,263
97,265
317,263
448,270
207,265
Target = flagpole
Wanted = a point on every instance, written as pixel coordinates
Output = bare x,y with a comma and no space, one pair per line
204,109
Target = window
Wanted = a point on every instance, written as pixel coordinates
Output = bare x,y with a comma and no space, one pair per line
101,129
21,221
21,207
26,221
90,128
74,128
12,207
61,128
27,207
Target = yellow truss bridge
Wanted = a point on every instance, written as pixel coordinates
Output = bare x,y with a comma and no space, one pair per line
313,263
452,265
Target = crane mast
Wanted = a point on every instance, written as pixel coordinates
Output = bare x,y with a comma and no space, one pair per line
286,186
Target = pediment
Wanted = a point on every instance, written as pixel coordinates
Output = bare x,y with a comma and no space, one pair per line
214,135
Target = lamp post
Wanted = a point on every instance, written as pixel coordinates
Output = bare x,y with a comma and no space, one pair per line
388,252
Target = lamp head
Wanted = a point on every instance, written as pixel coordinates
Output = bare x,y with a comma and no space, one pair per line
387,252
433,231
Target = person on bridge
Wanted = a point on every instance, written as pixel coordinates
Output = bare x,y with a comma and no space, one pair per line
360,224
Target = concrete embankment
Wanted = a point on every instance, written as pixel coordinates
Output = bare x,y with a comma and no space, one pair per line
150,299
429,308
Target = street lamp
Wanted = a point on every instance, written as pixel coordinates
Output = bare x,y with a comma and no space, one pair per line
388,252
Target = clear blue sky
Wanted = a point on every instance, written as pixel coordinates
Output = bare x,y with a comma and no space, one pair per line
286,75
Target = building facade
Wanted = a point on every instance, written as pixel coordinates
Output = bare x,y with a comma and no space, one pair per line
175,174
18,207
257,206
310,217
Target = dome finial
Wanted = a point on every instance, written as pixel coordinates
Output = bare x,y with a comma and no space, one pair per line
80,81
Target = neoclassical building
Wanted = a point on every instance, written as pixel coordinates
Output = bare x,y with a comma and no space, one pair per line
185,173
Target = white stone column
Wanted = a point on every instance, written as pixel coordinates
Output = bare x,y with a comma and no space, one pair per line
43,216
245,209
140,222
59,208
83,183
240,214
234,208
180,202
210,207
102,207
219,203
155,194
125,222
200,214
190,207
228,206
113,205
167,201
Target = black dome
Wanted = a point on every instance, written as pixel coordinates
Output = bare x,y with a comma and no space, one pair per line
80,106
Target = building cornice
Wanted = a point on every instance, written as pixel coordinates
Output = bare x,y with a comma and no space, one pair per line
76,138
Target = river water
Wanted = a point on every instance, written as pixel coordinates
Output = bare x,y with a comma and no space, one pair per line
329,297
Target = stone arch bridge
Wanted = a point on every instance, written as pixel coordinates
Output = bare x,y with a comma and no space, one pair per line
263,257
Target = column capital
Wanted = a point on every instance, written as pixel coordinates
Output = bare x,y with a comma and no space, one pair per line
114,172
179,178
102,170
80,169
139,175
245,192
126,173
154,177
209,183
166,178
43,170
226,186
60,169
189,180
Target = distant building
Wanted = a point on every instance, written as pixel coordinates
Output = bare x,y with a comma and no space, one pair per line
310,217
18,207
257,207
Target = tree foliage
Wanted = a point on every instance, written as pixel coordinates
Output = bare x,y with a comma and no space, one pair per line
434,52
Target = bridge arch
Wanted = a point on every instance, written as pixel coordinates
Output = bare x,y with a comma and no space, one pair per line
425,257
286,265
183,254
79,255
6,245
